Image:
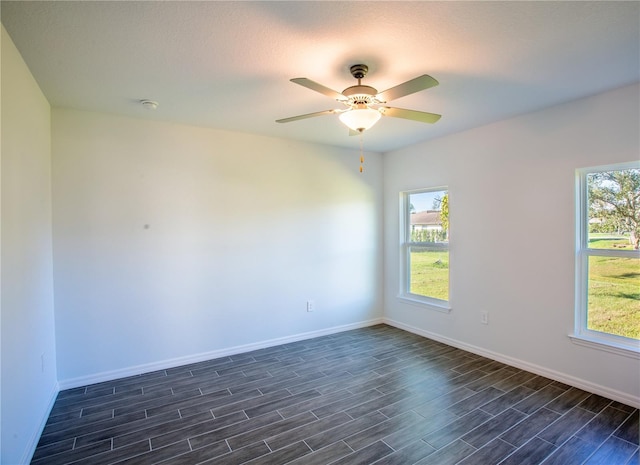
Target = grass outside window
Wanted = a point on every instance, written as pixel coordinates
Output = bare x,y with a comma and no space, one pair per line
613,297
429,272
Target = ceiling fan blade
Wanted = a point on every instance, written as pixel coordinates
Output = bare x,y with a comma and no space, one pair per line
414,85
309,84
414,115
308,115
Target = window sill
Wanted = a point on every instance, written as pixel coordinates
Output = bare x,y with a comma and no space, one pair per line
425,302
607,346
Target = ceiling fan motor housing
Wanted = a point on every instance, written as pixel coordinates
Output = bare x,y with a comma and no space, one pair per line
360,94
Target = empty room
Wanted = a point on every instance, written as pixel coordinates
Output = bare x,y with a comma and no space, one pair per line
255,232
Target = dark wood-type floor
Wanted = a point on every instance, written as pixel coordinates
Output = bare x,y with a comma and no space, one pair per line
375,395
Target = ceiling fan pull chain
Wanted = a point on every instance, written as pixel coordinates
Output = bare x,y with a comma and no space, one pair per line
361,151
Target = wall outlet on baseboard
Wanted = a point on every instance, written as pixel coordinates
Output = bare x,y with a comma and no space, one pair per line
484,317
311,305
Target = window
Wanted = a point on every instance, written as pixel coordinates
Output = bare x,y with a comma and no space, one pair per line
425,247
608,259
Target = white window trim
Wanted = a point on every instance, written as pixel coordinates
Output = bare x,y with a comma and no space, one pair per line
582,335
422,301
612,347
404,295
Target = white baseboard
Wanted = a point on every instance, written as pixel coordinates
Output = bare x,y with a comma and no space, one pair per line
33,441
533,368
174,362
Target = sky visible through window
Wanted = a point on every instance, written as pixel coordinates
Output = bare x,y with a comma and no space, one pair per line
424,200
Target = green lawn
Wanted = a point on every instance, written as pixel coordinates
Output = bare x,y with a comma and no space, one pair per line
430,273
608,241
614,290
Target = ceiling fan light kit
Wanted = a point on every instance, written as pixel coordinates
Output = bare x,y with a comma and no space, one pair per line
360,119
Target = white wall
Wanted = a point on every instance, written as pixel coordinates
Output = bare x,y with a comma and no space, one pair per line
172,241
28,386
511,188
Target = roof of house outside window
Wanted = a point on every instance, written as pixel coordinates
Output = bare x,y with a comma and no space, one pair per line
429,218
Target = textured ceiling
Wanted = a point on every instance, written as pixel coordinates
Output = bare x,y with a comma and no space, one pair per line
228,64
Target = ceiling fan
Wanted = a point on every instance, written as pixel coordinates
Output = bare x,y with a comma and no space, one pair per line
365,105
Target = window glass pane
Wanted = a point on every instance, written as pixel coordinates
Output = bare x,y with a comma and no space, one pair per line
427,244
613,209
429,272
428,216
614,296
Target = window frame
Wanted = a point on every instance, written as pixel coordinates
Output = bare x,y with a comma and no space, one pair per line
404,294
582,334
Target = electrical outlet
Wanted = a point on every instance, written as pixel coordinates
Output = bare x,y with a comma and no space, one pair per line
311,305
484,317
42,362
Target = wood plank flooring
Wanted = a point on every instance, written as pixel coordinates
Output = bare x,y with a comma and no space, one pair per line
376,395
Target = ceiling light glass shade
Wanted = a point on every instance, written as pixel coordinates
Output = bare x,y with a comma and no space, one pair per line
360,119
